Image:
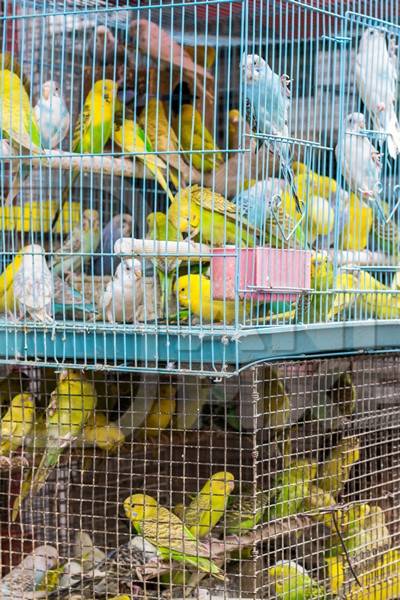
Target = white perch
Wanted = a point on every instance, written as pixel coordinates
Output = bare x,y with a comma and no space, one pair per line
157,248
357,257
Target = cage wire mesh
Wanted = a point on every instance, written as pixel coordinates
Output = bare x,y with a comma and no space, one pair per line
179,180
281,482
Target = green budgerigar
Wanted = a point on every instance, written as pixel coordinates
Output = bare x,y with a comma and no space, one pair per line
290,581
208,217
208,507
246,511
161,228
168,534
291,487
72,403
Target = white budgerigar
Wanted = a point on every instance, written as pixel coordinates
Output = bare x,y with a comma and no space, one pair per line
267,105
22,581
52,115
376,79
33,285
359,159
123,297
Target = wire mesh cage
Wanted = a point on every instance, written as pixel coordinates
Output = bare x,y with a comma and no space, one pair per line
180,178
281,482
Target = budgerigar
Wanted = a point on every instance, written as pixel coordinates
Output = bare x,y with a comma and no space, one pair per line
72,403
94,125
161,412
168,534
16,424
208,217
194,292
7,283
194,136
267,104
52,115
246,511
155,123
123,297
334,471
290,581
119,226
208,507
18,124
33,285
290,488
102,433
162,229
376,80
360,161
130,137
22,580
84,239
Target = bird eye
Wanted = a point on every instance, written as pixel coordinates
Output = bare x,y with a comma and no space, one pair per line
371,32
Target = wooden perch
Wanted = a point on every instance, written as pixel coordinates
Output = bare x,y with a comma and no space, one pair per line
122,167
156,248
221,548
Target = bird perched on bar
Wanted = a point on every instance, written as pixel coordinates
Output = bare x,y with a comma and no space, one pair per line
376,80
208,217
123,297
267,104
155,42
72,403
119,226
130,137
22,580
16,424
168,534
83,240
94,125
33,285
155,122
194,292
359,160
162,229
194,135
52,115
208,507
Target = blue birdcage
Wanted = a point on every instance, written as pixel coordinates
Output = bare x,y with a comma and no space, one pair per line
185,217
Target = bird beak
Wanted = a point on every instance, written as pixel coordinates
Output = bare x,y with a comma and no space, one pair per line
138,273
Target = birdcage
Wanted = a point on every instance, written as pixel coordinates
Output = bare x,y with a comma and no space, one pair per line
286,477
162,213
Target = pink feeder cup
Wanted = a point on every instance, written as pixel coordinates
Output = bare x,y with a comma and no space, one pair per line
266,274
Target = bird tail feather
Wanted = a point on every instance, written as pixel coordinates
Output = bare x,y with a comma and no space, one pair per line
160,177
387,122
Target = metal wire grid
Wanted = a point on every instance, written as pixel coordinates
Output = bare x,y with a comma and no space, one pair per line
261,281
276,428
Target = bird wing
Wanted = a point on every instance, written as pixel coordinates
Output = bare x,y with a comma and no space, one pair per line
215,202
83,124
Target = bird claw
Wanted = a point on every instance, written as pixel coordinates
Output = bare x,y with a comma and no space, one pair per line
380,107
286,81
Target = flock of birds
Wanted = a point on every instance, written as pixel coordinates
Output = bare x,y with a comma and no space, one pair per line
271,212
222,517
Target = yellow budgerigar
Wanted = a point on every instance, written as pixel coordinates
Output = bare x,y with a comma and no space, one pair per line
130,137
102,433
378,300
168,534
194,292
17,423
6,284
94,125
161,412
155,123
17,121
194,136
208,217
357,227
208,507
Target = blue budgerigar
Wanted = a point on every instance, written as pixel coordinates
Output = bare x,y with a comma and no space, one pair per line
119,226
267,105
52,115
